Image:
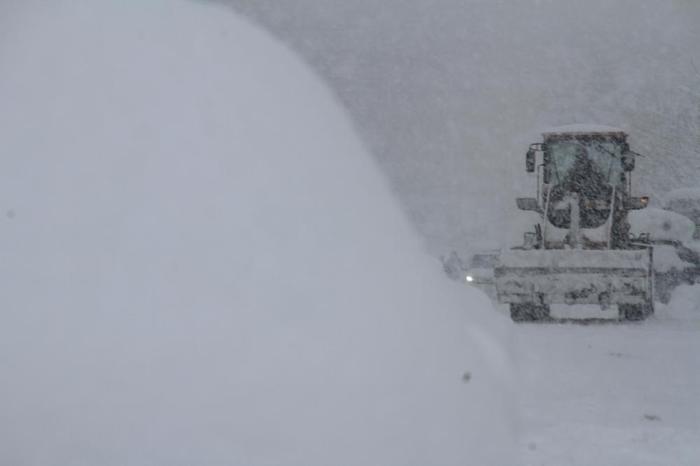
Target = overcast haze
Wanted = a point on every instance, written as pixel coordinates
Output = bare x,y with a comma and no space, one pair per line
442,89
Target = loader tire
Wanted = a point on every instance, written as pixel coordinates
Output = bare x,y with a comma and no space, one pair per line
636,311
528,312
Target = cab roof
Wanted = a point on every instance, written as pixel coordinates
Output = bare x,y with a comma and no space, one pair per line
584,129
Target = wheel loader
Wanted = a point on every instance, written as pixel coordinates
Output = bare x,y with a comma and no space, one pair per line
581,250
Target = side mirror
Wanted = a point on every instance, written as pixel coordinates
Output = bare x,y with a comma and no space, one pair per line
530,160
636,203
528,203
628,161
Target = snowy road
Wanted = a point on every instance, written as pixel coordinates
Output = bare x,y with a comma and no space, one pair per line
612,395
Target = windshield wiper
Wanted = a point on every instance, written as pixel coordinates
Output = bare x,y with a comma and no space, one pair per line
607,151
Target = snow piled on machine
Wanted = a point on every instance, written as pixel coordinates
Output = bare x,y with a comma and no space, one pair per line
582,128
661,225
202,266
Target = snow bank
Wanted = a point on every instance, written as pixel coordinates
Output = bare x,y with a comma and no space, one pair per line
200,264
662,224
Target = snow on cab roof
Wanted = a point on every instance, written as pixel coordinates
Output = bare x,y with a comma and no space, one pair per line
583,129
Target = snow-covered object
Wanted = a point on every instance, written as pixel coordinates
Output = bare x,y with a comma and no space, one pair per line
661,225
686,201
574,276
200,265
666,259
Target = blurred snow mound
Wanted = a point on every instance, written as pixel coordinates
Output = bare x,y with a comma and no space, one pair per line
201,264
662,224
686,201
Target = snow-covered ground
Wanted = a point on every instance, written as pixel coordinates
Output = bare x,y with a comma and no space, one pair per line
612,394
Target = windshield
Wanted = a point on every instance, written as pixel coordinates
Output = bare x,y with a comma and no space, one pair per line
605,157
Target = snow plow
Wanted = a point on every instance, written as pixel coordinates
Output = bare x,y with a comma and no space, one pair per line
581,250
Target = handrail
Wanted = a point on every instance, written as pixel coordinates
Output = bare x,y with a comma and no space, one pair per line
546,215
611,216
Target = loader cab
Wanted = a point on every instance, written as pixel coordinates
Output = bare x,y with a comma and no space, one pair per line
584,159
582,155
583,187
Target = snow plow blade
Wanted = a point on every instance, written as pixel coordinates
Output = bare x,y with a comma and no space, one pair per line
575,276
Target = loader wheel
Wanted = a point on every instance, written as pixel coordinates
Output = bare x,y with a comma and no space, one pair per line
528,312
636,311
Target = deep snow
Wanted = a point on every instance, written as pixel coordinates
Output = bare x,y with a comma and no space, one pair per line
200,264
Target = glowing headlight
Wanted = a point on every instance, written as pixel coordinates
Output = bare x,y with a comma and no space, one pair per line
470,279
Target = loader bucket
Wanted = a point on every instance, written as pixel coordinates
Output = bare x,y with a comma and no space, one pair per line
574,276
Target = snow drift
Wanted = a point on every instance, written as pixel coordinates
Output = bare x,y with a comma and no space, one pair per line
662,224
200,264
